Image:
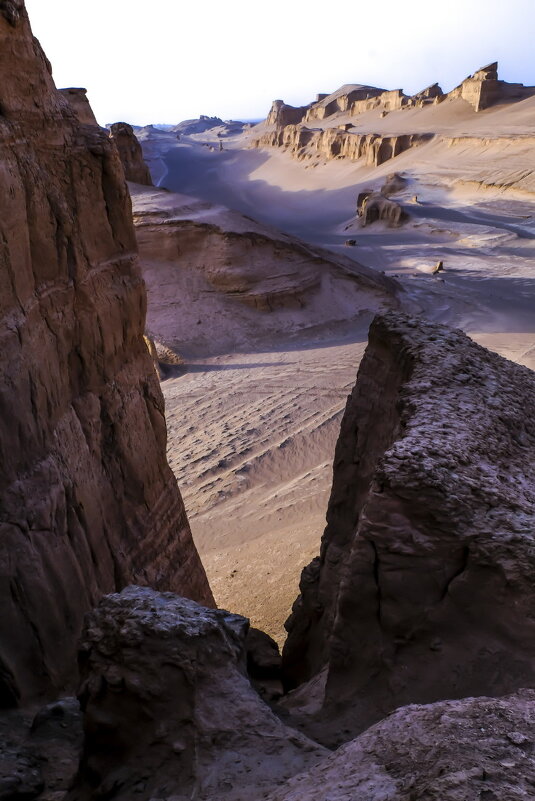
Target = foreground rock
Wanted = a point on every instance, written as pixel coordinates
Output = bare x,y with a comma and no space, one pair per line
423,588
130,154
477,748
169,711
87,500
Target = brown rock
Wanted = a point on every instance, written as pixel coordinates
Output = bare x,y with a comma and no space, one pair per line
483,89
423,589
87,500
130,153
169,711
477,748
329,143
282,114
80,105
374,206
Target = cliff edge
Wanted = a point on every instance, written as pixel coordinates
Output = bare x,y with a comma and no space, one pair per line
88,503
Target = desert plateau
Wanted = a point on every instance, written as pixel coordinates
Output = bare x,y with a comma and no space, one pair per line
267,475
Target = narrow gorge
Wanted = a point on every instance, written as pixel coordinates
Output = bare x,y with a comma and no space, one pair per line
407,673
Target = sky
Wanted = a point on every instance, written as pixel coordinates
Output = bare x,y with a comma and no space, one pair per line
164,61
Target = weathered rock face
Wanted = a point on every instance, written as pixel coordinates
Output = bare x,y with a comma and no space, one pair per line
302,142
87,500
80,105
282,114
130,153
341,101
483,89
374,206
477,748
423,589
168,709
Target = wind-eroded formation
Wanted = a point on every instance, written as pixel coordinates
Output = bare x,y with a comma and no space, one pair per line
372,125
423,589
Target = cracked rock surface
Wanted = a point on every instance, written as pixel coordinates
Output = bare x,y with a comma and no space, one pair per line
423,589
168,709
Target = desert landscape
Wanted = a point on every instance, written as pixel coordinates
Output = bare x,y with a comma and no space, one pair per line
267,386
466,186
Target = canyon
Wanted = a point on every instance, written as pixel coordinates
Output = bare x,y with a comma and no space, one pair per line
203,323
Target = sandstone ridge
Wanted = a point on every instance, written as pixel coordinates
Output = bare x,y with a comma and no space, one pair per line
88,502
422,590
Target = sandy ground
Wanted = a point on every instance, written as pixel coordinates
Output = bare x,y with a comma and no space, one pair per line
251,435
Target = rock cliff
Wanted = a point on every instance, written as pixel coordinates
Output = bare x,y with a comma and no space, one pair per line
303,142
168,709
130,153
87,500
423,589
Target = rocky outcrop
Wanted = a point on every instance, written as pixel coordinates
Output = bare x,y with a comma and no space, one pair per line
341,101
477,748
302,142
282,114
374,206
130,153
483,89
79,103
87,500
168,709
423,588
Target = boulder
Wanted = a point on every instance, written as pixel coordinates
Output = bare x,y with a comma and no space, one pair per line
169,711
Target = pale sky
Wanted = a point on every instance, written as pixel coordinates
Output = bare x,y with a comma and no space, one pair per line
165,60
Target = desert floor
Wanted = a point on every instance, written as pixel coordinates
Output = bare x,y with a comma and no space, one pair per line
252,434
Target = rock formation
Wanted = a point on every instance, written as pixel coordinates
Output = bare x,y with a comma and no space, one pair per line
130,153
423,588
483,89
374,206
477,748
282,114
168,709
80,105
342,100
302,142
87,500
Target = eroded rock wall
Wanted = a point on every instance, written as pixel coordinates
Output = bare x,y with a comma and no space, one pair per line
302,142
423,589
87,500
130,153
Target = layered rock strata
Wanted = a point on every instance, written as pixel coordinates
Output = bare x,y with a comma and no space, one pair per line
130,153
423,587
87,500
374,149
477,748
169,710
